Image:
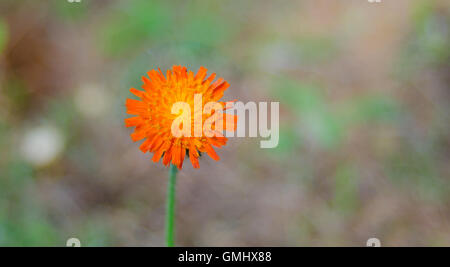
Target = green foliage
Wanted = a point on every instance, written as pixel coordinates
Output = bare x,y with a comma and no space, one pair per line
93,232
18,93
131,25
3,35
429,41
414,171
70,11
31,230
313,49
19,172
345,188
370,109
327,123
22,220
164,29
203,27
62,113
289,141
298,96
309,104
422,11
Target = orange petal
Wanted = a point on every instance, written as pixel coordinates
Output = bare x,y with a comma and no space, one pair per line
184,74
156,77
211,152
165,146
146,80
201,74
182,154
190,77
158,155
161,75
216,83
193,150
133,121
136,107
137,92
176,157
148,87
218,91
169,75
139,134
156,143
194,159
217,141
167,156
210,79
145,145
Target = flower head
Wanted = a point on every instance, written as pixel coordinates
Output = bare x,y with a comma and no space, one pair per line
155,117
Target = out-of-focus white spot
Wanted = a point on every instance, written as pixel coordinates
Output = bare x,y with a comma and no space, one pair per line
73,242
41,145
92,100
373,242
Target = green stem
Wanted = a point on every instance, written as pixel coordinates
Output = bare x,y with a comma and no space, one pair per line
170,208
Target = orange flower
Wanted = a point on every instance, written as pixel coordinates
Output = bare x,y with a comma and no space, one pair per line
154,115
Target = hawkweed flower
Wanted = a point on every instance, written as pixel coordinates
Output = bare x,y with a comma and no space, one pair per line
154,116
158,121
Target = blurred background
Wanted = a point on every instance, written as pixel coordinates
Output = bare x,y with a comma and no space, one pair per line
364,122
